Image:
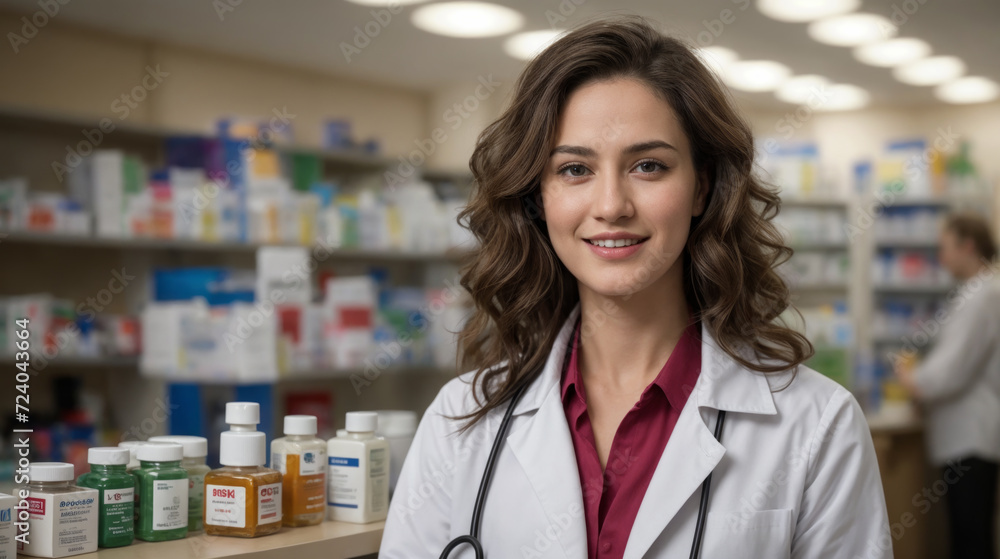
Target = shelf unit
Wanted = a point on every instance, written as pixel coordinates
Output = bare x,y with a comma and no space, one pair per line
41,137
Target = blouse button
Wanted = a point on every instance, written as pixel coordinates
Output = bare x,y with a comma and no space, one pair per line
606,547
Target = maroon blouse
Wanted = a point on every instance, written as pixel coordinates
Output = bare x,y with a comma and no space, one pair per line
611,498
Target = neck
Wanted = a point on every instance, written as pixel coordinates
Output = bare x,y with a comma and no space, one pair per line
626,340
972,269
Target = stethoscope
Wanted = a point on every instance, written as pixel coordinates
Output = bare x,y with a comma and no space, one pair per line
484,485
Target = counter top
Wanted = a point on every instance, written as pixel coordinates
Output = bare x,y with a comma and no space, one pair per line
330,540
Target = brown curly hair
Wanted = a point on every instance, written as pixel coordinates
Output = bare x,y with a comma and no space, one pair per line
521,290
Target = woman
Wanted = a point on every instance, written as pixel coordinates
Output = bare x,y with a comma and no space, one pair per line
958,384
625,280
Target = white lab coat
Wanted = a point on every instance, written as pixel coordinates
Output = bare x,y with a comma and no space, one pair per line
794,476
959,381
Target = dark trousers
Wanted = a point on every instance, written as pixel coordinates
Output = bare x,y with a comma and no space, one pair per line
972,502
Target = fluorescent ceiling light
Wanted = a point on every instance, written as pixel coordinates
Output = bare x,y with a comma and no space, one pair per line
970,89
524,46
717,58
852,30
805,10
930,71
802,89
467,19
386,2
756,75
842,97
893,52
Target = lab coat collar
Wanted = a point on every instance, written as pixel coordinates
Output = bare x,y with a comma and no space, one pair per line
723,384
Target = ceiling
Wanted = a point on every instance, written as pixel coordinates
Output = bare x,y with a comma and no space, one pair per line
309,33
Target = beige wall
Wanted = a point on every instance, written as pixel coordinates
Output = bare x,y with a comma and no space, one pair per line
78,72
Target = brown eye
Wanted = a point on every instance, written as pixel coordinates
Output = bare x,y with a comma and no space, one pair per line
649,167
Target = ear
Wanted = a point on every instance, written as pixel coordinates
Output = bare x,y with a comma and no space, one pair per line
700,193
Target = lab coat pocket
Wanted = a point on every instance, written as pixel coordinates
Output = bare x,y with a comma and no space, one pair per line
765,534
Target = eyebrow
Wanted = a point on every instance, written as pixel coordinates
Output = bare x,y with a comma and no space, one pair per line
629,150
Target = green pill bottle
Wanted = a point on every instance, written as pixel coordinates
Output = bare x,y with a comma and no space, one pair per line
163,493
115,489
195,451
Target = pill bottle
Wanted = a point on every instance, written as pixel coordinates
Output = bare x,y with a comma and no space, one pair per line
195,451
133,447
242,498
163,493
358,472
301,459
8,532
115,495
62,517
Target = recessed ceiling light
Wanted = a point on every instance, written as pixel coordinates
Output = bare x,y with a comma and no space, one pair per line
802,89
842,97
717,58
524,46
805,10
930,71
852,30
970,89
893,52
467,19
385,2
756,75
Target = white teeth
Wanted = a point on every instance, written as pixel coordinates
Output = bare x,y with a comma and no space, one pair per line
615,244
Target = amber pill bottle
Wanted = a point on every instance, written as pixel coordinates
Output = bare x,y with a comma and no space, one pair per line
242,498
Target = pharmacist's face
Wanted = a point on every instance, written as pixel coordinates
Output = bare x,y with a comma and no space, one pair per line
620,170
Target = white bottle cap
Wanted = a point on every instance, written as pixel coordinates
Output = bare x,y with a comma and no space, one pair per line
194,447
341,432
161,452
242,448
397,423
361,421
108,456
300,424
243,416
50,471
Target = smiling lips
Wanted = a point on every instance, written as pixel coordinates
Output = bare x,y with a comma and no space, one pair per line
615,245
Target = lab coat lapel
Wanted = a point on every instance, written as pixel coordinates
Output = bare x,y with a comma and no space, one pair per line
543,447
692,452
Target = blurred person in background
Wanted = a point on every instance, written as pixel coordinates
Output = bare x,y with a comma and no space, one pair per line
958,384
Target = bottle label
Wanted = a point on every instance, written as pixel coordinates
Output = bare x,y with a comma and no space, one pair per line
63,524
269,503
278,462
311,463
345,482
117,511
170,504
225,505
378,471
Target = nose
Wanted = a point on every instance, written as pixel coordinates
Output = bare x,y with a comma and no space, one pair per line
613,198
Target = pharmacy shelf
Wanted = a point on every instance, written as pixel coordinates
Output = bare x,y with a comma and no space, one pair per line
145,244
817,202
76,362
313,375
330,540
914,244
935,290
35,121
820,287
819,246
